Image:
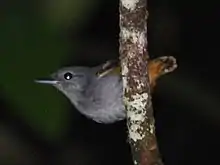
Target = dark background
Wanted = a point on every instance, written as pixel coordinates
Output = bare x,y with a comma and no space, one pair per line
39,126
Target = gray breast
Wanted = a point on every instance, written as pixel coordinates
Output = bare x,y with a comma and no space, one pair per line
106,95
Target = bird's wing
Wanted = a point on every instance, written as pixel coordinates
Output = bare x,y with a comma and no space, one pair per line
156,68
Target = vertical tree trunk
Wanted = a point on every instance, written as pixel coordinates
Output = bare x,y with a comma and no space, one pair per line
136,87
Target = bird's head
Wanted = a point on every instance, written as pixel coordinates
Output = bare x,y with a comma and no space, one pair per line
70,80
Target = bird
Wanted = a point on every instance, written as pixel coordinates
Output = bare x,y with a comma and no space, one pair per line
97,92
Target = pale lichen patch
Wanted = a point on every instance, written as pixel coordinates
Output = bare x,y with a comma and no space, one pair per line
134,133
124,76
135,162
152,128
136,114
129,4
139,102
135,36
140,85
142,40
125,70
130,34
125,82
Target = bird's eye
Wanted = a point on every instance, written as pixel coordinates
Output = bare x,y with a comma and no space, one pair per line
68,76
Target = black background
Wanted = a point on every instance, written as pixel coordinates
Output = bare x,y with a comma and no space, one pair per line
186,102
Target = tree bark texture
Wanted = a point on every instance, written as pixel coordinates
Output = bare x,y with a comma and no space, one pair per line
136,86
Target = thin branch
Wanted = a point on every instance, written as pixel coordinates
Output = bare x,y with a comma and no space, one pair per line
136,85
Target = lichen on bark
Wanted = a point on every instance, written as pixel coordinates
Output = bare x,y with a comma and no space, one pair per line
136,87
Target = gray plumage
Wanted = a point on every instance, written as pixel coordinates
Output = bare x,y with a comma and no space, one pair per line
97,98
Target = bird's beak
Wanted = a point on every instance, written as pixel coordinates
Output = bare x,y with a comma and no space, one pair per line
47,81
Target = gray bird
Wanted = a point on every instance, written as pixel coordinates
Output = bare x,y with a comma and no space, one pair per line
100,97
